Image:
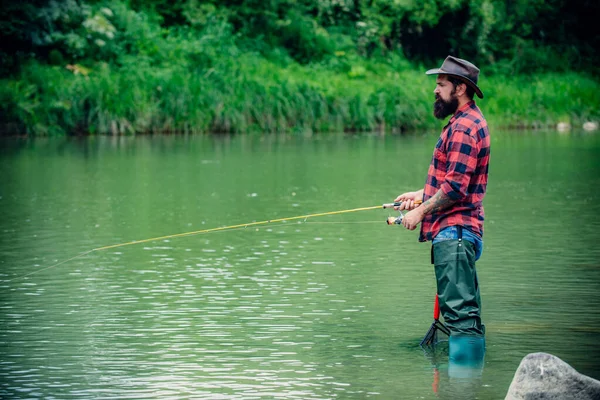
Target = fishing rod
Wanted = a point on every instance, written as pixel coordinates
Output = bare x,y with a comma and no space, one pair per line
390,221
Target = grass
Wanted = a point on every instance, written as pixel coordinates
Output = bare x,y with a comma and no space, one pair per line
249,93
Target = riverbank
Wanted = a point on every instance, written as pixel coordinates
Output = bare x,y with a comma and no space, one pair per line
248,93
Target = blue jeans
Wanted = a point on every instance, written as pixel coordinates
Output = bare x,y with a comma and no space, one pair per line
451,232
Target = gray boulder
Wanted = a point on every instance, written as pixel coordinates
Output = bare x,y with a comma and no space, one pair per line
542,376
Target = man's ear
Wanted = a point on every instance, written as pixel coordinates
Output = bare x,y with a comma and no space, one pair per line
461,89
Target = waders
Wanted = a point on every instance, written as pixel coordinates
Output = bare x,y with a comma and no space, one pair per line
459,299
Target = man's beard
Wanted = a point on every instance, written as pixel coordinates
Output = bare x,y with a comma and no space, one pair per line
442,108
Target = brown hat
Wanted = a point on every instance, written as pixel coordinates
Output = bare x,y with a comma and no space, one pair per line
459,68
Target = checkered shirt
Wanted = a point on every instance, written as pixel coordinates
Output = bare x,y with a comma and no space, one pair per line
459,167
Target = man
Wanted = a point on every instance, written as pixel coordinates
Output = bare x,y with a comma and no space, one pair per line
451,213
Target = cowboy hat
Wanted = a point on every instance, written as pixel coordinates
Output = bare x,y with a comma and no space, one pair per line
461,69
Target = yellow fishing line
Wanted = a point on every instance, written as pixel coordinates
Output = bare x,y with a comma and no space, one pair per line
270,221
223,228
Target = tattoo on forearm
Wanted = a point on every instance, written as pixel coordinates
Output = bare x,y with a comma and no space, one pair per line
437,202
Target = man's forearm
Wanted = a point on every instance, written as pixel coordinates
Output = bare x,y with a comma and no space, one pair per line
438,202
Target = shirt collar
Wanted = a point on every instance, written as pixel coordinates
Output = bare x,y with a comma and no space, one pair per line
460,111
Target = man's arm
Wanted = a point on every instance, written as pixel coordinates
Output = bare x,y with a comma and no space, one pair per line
438,202
461,163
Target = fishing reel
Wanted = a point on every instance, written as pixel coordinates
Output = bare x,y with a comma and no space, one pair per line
394,220
397,220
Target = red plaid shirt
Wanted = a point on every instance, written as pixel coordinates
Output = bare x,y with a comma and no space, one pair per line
459,167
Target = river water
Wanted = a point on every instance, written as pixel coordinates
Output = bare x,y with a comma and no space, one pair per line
328,307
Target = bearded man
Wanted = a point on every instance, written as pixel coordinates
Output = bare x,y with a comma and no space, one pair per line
451,212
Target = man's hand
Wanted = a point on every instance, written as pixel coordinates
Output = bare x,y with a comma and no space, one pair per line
408,200
413,218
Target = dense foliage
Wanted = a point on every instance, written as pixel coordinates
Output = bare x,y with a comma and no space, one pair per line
520,35
113,66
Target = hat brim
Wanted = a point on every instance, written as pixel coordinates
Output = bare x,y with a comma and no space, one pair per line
438,71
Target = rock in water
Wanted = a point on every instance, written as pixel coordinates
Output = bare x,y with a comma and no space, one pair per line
542,376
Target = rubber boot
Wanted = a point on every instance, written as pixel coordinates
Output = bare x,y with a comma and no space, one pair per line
466,354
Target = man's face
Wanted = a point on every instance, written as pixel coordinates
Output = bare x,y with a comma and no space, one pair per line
446,102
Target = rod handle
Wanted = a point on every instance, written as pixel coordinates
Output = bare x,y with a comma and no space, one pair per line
436,308
397,204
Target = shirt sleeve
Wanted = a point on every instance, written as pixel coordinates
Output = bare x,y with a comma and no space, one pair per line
460,165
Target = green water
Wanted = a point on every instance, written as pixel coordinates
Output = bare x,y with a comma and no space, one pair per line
329,308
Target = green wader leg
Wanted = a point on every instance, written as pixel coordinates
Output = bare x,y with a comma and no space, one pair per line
457,286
